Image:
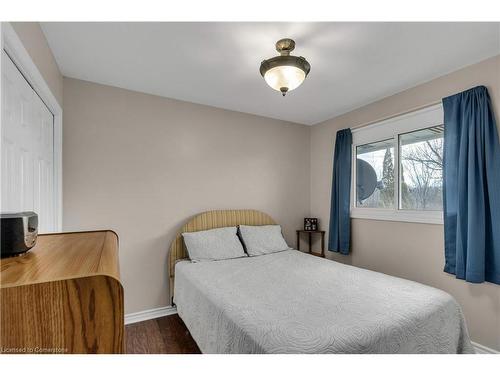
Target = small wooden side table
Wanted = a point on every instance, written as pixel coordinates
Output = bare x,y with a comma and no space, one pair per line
310,232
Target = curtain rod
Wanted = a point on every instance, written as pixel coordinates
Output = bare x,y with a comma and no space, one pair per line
397,114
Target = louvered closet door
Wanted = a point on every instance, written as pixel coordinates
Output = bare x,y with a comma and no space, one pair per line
27,141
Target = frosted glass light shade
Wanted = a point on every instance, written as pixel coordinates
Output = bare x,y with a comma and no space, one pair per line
289,77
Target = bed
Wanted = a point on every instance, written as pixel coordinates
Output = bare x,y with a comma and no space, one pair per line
292,302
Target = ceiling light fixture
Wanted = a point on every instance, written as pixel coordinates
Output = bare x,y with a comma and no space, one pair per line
285,73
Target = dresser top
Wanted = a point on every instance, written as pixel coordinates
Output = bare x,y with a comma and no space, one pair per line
62,256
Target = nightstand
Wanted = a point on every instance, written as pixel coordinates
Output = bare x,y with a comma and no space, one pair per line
310,232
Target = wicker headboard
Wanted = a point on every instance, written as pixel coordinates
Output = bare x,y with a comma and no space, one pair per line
211,220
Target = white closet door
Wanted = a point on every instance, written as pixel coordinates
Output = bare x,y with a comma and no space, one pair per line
27,142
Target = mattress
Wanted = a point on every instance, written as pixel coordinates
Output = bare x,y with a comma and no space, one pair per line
292,302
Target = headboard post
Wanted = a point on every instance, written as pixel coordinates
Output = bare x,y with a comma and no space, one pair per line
210,220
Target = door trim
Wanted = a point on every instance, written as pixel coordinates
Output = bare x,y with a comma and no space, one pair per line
21,58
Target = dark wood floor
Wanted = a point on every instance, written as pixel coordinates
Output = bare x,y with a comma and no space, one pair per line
166,335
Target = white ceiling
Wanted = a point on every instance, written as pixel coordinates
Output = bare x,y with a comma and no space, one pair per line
217,64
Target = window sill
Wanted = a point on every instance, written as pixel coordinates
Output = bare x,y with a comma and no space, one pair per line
425,217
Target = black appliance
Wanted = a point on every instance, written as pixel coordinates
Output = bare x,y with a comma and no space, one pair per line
18,232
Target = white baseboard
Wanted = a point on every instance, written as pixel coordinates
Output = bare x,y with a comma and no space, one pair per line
481,349
149,314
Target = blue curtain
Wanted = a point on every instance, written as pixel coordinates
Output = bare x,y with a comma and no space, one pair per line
340,225
471,187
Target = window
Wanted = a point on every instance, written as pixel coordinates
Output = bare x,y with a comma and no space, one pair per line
421,169
398,168
375,174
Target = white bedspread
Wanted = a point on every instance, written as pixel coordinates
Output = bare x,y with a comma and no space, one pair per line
291,302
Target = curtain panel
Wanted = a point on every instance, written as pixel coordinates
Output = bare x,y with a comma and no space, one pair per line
340,224
471,190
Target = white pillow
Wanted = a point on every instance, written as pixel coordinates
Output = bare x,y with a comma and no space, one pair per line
263,239
213,244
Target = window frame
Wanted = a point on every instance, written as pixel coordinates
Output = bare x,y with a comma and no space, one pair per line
387,129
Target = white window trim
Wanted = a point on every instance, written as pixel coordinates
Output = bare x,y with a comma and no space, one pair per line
18,53
386,129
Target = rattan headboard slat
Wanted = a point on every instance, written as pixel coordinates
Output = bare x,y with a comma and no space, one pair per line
211,220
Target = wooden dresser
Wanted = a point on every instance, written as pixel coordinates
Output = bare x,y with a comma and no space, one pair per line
63,296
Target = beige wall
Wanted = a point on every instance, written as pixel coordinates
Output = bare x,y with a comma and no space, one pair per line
34,41
142,165
411,251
